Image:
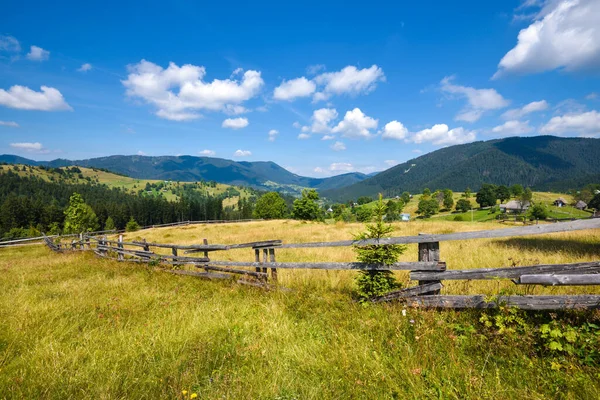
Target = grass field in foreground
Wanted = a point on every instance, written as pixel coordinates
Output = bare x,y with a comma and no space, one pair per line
74,326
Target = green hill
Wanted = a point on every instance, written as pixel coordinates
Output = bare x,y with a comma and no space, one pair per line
540,162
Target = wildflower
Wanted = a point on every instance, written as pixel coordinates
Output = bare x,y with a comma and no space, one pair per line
184,392
404,312
193,395
412,321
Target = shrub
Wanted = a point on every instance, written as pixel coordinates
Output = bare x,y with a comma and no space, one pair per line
459,218
132,225
376,283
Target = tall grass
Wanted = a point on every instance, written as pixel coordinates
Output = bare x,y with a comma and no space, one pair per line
74,326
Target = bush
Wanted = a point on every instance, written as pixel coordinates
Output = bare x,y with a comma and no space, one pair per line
459,218
132,225
376,283
463,205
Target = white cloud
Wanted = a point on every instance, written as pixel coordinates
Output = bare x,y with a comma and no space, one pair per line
297,125
303,136
328,137
262,108
350,80
513,127
207,153
338,146
292,89
232,109
479,100
141,153
319,170
517,113
439,134
356,125
23,98
273,135
344,167
178,92
321,120
11,124
29,147
315,69
394,130
585,123
38,54
85,67
417,151
10,44
564,34
390,163
242,153
235,123
592,96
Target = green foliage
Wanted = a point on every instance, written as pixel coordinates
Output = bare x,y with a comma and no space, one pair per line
595,202
376,283
538,211
526,196
459,217
307,208
516,190
467,194
79,217
363,214
364,200
580,342
448,199
428,207
502,193
426,192
486,196
270,206
393,210
405,197
463,205
109,225
132,225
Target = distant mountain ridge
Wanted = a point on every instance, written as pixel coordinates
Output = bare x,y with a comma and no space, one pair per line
541,162
259,174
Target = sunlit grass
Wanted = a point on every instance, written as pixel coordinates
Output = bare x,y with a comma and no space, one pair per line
75,326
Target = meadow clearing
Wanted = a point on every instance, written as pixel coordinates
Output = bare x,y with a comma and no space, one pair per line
75,326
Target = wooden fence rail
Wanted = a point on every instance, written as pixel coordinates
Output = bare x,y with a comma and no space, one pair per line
429,271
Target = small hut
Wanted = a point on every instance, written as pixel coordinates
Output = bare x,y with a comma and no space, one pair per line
560,202
581,205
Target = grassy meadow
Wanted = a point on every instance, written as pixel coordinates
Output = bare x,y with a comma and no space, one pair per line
75,326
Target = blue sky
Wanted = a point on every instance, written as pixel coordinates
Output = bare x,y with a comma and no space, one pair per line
321,88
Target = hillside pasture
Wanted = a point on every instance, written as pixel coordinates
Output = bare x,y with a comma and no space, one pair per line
76,326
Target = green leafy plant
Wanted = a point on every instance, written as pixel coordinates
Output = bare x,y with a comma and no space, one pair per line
376,283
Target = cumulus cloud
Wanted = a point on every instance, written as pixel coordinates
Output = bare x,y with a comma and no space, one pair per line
207,153
273,135
585,124
350,80
242,153
321,121
29,147
592,96
179,92
235,123
517,113
23,98
11,124
9,44
85,67
38,54
338,146
513,127
303,136
563,34
315,69
356,125
328,137
141,153
341,167
390,163
417,151
479,100
440,134
231,109
292,89
394,130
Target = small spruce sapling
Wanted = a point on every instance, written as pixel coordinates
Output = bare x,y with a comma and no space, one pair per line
376,283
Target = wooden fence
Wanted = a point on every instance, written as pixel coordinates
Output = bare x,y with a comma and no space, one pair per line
429,271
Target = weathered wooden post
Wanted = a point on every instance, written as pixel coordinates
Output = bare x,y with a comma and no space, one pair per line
429,252
265,261
273,269
146,248
81,241
120,256
174,252
257,258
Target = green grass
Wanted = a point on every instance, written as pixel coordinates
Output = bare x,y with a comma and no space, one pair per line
75,326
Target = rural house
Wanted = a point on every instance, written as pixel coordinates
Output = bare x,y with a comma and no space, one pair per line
581,205
514,207
560,202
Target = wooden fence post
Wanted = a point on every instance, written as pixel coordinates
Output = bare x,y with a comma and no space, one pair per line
120,256
174,252
273,270
429,252
265,261
257,258
146,248
81,241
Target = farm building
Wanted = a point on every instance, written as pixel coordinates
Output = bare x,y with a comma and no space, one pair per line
404,217
514,207
560,202
581,205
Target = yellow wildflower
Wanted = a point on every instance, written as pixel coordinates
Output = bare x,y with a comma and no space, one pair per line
184,392
193,395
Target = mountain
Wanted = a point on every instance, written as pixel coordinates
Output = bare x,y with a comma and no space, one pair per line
540,162
261,174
